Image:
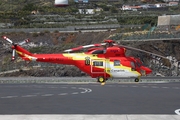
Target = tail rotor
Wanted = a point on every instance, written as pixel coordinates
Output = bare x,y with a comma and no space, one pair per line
14,45
7,39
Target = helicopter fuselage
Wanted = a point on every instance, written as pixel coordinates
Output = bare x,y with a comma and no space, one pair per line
99,62
95,65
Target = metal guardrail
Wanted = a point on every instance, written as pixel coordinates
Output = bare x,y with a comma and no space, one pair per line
65,29
146,37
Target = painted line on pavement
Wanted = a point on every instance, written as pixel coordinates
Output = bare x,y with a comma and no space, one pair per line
177,111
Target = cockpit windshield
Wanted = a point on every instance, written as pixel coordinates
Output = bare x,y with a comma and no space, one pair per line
138,63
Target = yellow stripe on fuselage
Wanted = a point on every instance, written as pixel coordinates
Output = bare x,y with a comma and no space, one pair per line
82,56
26,56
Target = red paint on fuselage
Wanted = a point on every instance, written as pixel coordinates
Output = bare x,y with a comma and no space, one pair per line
115,52
54,58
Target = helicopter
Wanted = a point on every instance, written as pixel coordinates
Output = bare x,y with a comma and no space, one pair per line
102,61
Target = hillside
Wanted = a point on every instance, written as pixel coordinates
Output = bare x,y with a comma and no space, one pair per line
8,5
57,42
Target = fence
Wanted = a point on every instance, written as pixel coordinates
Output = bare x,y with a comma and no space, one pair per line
147,36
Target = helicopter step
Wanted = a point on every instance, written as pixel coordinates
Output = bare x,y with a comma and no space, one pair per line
102,79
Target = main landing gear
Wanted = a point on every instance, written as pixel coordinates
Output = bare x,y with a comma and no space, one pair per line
101,80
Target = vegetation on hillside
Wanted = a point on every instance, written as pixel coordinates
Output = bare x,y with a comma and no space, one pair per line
18,13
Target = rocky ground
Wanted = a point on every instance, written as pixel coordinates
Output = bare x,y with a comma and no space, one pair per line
57,42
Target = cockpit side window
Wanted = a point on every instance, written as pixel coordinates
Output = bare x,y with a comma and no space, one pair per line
117,63
98,52
138,63
133,66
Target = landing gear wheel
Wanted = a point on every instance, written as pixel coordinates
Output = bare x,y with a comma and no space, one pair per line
101,79
136,80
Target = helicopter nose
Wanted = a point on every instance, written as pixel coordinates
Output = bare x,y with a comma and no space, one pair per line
146,69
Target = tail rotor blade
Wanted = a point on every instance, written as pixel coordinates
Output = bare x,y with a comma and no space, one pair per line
23,42
13,54
10,41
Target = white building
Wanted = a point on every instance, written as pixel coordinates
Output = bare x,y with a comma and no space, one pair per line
170,1
61,3
89,11
169,20
173,4
159,5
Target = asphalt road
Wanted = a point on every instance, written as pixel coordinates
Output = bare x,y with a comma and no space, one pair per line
90,98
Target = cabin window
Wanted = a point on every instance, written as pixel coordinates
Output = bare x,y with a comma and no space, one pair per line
117,63
98,63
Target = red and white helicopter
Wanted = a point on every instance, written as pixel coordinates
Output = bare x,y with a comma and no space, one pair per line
102,61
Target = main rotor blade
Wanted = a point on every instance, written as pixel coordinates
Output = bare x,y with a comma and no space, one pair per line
136,49
86,46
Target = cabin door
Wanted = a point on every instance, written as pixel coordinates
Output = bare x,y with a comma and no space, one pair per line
98,66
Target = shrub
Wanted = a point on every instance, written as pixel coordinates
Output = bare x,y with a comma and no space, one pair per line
35,35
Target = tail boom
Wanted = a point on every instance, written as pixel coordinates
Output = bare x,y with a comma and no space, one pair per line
54,58
51,58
